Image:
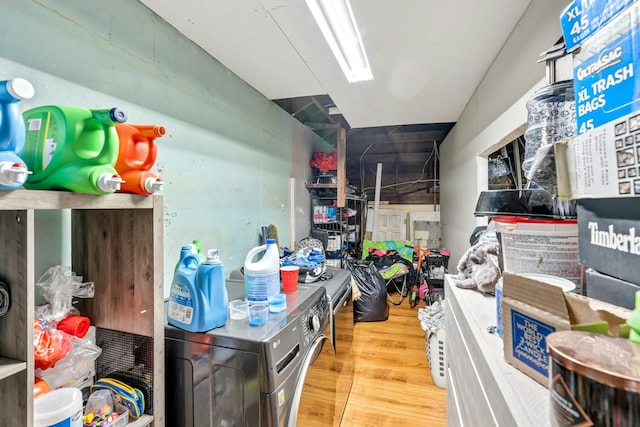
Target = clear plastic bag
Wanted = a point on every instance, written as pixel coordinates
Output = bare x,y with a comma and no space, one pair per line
58,285
76,367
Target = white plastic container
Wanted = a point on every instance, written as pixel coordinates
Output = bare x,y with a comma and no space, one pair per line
540,246
60,408
262,277
437,357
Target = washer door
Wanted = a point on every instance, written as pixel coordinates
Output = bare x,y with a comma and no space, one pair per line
314,401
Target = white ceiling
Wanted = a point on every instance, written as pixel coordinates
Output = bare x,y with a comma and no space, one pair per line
427,56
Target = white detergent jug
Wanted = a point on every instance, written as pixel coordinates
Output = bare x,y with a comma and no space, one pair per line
262,277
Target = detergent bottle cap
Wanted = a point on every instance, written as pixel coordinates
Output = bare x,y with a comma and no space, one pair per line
12,173
153,185
20,88
213,256
271,241
117,115
108,182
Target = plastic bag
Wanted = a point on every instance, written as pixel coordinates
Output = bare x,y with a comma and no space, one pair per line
372,306
58,285
49,344
76,367
311,262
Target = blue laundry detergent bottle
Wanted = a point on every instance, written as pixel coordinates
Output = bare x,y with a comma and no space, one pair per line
198,300
13,170
210,279
183,298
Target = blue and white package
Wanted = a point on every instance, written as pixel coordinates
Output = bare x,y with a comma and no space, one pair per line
605,74
582,18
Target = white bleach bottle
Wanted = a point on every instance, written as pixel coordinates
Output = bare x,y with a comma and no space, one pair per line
262,277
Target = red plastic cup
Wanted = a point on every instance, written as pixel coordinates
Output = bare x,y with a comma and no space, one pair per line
289,278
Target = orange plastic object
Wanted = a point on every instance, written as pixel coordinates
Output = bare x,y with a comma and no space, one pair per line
49,344
75,325
40,387
136,157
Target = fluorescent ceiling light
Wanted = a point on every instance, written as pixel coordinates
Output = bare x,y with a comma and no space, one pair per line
336,21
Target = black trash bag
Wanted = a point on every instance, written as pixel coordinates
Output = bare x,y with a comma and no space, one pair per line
372,306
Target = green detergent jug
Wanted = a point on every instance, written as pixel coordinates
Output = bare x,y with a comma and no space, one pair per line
72,148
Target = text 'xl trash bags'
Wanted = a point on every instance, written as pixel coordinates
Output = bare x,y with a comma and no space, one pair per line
372,305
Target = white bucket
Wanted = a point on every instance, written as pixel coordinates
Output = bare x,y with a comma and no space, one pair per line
59,408
540,246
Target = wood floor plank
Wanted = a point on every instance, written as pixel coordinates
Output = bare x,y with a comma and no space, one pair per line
392,382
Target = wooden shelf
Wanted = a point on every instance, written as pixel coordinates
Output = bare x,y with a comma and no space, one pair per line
142,421
116,242
10,367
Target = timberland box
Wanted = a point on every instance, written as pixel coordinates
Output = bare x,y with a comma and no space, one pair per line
609,236
531,310
610,289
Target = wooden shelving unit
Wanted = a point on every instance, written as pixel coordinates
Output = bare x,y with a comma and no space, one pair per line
117,242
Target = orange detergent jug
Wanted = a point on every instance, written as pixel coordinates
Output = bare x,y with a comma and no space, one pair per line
136,156
72,148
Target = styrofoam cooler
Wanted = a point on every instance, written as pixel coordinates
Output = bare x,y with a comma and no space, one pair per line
540,246
437,357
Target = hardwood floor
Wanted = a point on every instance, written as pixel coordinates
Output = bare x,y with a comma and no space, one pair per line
392,383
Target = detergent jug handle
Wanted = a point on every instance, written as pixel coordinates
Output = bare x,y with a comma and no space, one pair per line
253,252
191,261
12,91
150,132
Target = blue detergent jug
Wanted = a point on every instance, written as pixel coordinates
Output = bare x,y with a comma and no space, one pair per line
198,299
13,170
212,285
182,297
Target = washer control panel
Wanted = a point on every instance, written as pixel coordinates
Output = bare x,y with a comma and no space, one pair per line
316,319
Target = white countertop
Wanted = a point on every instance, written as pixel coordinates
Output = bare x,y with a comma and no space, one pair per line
511,394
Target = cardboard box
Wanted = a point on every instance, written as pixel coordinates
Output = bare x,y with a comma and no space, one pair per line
609,236
531,310
610,289
583,18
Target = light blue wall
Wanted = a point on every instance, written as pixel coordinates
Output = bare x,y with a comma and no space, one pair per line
495,115
230,156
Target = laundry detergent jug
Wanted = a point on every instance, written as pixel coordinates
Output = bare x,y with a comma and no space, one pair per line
72,148
136,157
198,300
262,277
13,170
211,283
183,296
